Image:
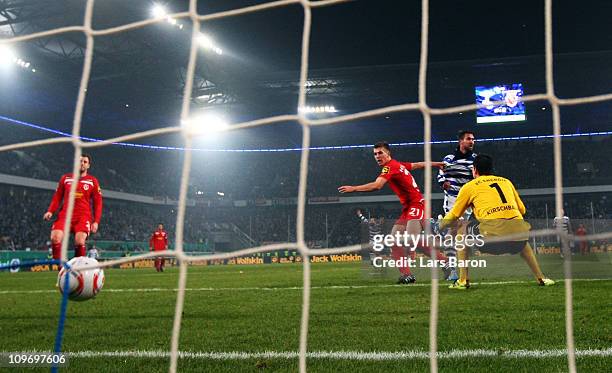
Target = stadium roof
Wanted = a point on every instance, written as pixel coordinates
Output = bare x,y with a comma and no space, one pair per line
363,55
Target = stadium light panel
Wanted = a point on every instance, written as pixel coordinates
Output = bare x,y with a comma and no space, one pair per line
204,124
207,42
158,11
318,109
7,56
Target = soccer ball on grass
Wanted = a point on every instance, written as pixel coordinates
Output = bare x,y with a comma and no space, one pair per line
82,284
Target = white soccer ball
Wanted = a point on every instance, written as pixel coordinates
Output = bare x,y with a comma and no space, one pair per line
82,284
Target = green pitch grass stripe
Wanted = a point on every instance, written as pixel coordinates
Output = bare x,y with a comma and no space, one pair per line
145,290
344,355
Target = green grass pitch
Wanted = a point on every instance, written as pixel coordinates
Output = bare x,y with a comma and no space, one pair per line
255,309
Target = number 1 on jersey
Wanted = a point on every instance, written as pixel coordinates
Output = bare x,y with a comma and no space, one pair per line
499,191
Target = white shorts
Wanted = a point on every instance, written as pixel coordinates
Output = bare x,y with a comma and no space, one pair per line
449,202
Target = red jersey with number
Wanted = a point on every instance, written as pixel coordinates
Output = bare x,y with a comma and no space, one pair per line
159,240
401,182
88,190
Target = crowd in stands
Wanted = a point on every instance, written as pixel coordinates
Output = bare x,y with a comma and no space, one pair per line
21,224
253,176
528,163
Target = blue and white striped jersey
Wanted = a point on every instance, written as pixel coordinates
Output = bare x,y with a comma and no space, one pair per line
457,170
375,227
562,223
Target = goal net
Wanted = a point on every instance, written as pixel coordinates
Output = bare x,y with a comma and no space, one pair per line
307,124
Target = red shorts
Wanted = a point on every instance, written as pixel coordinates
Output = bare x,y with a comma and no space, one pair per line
411,212
78,224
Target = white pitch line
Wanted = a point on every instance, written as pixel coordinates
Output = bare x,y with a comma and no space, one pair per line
341,355
330,287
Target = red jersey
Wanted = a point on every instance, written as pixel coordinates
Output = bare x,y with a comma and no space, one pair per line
401,182
159,240
87,190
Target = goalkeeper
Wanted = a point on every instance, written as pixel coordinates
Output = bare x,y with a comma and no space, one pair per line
499,212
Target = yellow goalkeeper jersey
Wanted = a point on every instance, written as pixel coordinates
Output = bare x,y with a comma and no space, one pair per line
496,205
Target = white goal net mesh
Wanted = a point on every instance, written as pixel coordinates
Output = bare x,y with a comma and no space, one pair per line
306,125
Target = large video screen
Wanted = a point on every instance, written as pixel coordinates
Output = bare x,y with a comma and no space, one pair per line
513,109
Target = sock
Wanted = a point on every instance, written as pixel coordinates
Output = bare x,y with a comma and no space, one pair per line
398,253
463,271
532,262
413,254
450,252
56,248
79,250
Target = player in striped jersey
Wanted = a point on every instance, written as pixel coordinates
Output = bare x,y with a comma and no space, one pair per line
456,173
457,169
564,225
375,227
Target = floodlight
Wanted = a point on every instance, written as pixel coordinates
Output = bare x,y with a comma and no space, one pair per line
7,56
204,124
205,41
158,11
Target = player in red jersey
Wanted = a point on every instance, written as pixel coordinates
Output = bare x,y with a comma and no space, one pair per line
83,222
397,175
159,242
584,245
